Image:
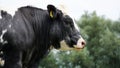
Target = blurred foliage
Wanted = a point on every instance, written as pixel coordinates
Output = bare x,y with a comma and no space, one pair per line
102,50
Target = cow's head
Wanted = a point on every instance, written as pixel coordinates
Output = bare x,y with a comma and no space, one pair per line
64,34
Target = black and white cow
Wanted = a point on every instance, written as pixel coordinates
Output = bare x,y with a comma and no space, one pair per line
27,37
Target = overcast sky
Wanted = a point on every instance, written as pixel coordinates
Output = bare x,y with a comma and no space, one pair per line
109,8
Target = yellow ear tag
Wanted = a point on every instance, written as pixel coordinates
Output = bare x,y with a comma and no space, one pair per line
51,14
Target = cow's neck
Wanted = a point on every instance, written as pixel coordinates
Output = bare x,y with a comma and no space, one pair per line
42,29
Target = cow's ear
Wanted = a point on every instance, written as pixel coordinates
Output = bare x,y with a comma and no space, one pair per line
52,11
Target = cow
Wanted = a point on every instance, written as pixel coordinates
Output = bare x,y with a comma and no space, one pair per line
27,37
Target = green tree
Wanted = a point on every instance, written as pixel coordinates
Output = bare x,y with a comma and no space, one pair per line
102,41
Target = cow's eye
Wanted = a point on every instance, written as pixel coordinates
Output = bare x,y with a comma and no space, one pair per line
68,20
67,24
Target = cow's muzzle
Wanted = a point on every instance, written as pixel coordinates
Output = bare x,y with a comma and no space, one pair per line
80,43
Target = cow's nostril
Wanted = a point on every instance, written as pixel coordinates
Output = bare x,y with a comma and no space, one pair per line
83,43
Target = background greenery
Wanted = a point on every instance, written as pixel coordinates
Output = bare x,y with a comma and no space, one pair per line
102,49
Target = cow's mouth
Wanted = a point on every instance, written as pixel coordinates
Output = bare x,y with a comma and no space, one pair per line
78,48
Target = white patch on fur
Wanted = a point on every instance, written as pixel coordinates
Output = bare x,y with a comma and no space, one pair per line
76,26
1,52
10,26
1,37
0,15
2,62
64,46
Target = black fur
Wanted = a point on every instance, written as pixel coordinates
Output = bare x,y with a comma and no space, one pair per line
31,34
